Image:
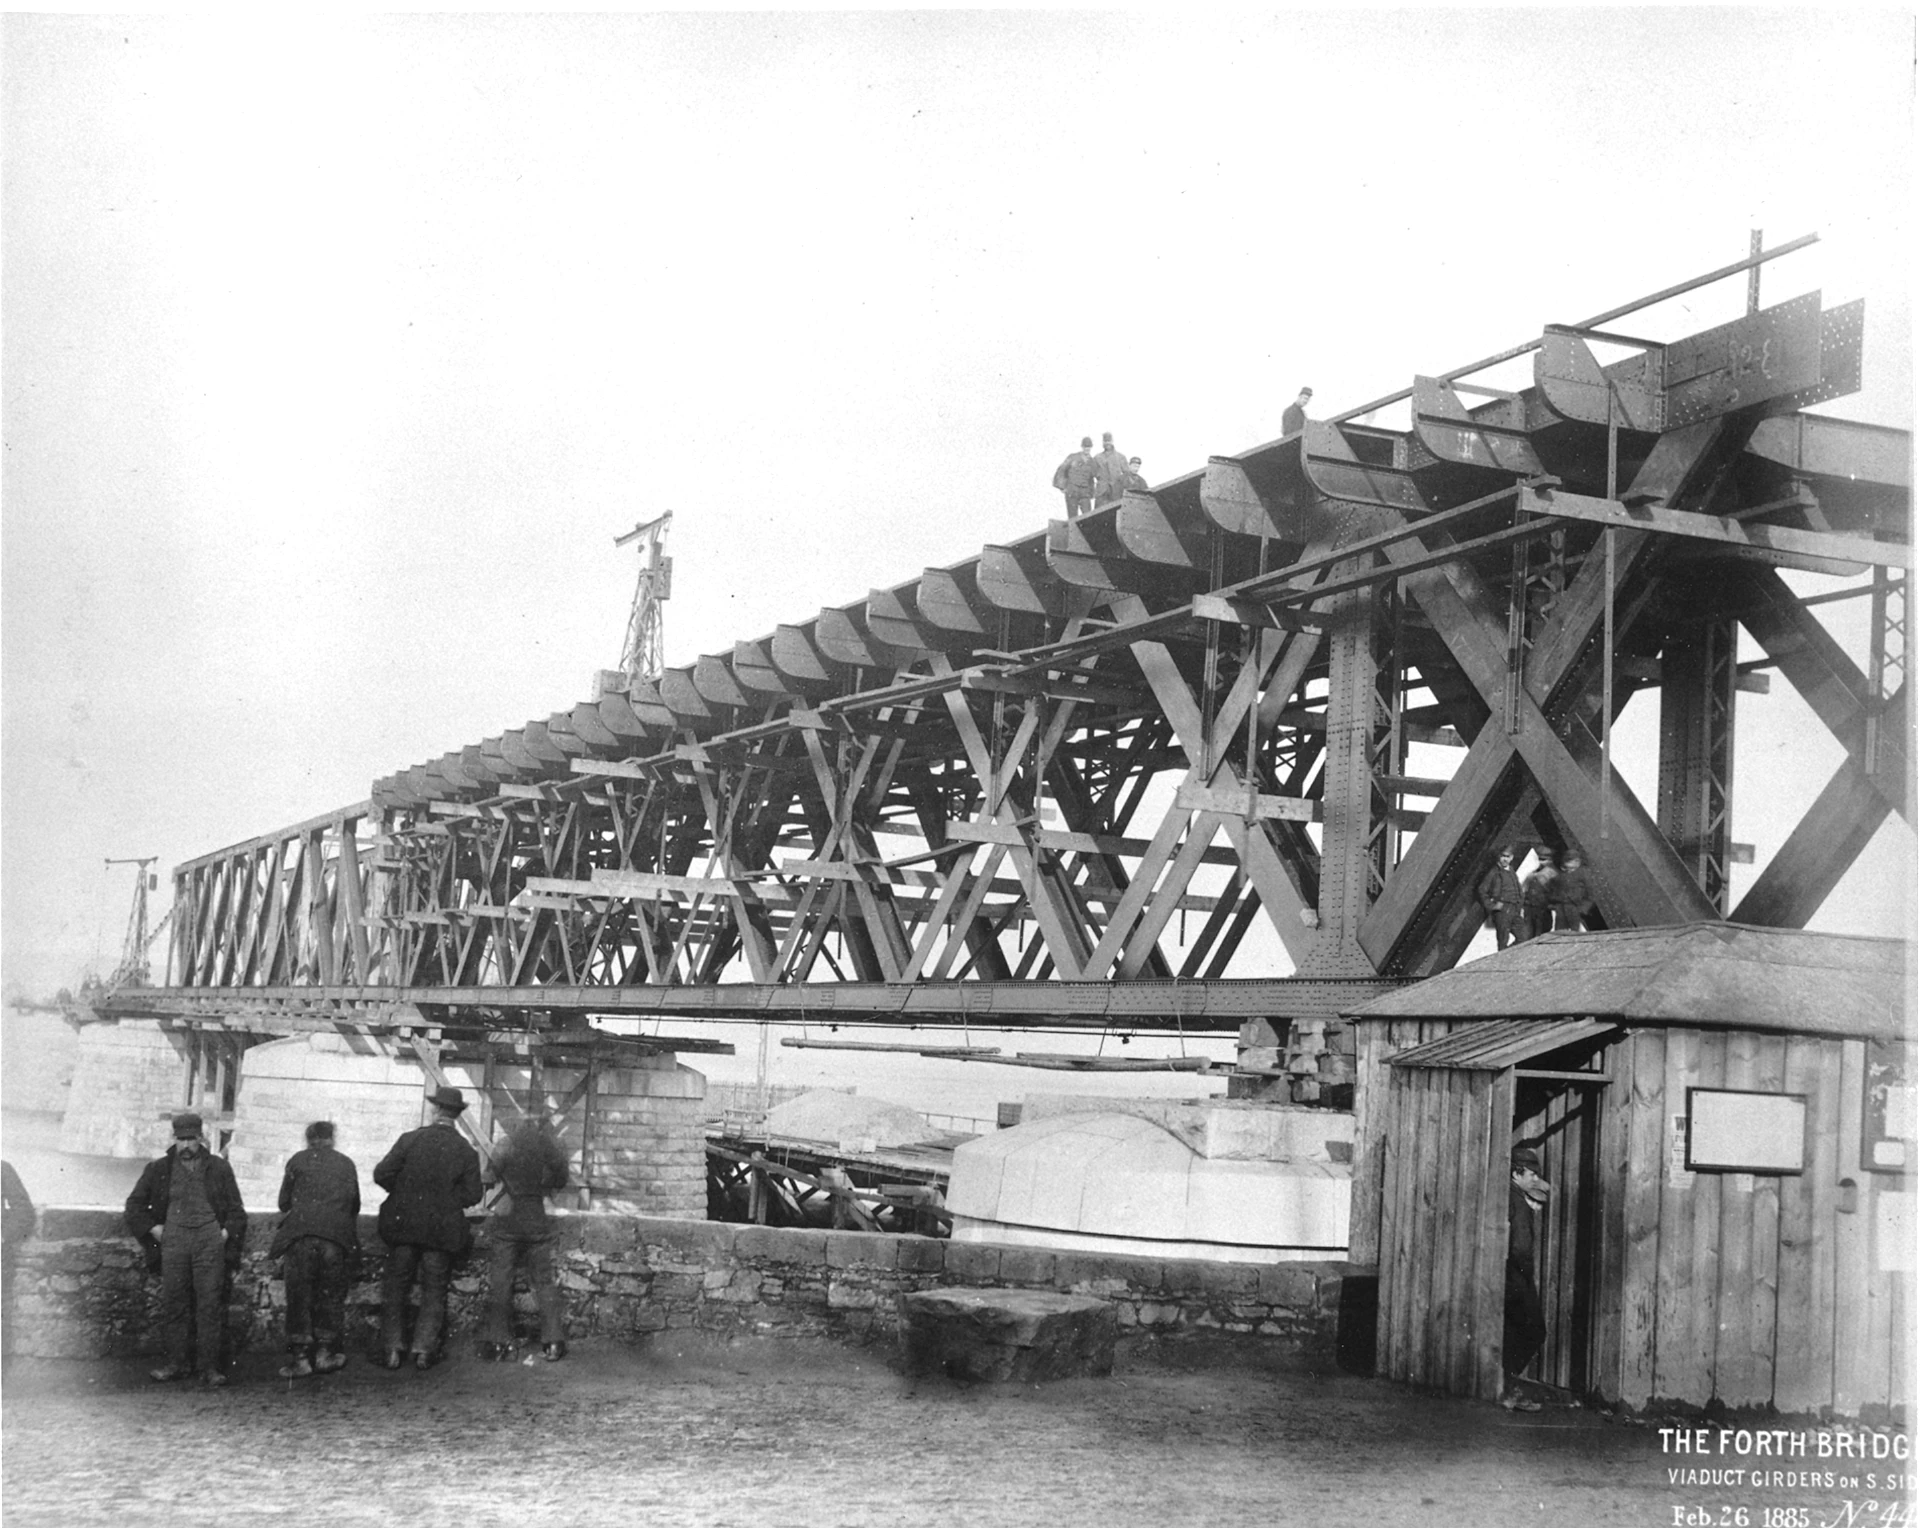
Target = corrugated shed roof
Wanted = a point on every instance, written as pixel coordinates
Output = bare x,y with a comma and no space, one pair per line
1495,1046
1715,975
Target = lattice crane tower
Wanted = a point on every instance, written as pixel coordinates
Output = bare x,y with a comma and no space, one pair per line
643,656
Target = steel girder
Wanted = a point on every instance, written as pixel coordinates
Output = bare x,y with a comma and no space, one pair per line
1033,766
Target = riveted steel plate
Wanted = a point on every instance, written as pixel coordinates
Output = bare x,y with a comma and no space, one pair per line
1755,359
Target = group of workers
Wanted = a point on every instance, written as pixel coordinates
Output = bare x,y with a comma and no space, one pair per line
1085,479
187,1213
1555,897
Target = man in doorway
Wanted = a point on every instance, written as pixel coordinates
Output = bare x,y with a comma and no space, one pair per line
1524,1330
1109,472
431,1176
1499,893
320,1205
1294,418
186,1213
1075,479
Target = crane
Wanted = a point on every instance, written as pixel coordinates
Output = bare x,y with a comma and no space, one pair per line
643,656
133,969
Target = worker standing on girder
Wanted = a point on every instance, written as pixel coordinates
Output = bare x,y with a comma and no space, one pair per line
1536,896
1572,896
1109,472
1499,893
1075,479
1294,419
1134,482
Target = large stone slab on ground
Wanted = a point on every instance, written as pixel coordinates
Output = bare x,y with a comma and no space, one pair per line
1006,1334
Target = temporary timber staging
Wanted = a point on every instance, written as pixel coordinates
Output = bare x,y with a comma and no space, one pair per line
993,793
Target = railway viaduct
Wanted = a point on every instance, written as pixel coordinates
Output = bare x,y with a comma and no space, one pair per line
1273,714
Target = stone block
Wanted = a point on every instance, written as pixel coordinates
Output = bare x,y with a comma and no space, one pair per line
865,1249
973,1262
1026,1265
1001,1335
920,1254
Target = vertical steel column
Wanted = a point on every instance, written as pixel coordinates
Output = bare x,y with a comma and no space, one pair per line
1886,655
1349,874
1697,675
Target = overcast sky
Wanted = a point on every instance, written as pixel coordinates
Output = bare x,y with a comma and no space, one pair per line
337,352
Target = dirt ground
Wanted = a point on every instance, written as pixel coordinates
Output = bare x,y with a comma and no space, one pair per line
695,1433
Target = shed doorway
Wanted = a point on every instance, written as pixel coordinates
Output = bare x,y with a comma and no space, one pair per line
1560,1114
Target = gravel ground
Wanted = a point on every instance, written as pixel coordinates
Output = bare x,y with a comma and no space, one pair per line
697,1433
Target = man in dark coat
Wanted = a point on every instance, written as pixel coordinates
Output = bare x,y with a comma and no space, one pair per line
1293,419
1075,479
529,1164
186,1213
431,1176
319,1202
1499,893
1109,472
1572,895
1536,896
1134,482
16,1227
1524,1329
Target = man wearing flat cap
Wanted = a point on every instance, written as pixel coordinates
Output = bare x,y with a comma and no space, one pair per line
1524,1329
431,1176
186,1212
1075,479
1293,418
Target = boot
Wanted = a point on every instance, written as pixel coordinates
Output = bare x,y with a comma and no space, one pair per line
299,1368
326,1361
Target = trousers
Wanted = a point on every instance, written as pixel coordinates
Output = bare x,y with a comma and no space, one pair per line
507,1254
193,1285
433,1267
316,1273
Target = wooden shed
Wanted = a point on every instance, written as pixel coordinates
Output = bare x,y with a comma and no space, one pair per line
1726,1117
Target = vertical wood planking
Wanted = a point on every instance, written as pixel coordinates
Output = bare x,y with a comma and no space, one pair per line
1426,1193
1646,1132
1370,1083
1733,1381
1851,1385
1696,1358
1799,1356
1444,1304
1393,1233
1764,1270
1470,1253
1490,1284
1616,1110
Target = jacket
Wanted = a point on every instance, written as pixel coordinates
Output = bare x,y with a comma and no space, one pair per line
1571,892
319,1196
1499,888
1074,476
529,1165
1109,475
18,1223
431,1175
147,1204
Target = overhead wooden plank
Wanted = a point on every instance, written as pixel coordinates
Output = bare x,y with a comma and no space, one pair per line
1234,801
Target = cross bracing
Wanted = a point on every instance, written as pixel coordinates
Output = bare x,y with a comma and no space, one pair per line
1167,744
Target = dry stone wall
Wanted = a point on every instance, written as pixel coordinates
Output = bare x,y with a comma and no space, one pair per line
81,1290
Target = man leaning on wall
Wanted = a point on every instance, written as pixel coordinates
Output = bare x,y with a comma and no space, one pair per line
186,1213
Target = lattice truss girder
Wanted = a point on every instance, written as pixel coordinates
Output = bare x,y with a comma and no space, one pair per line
1171,739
